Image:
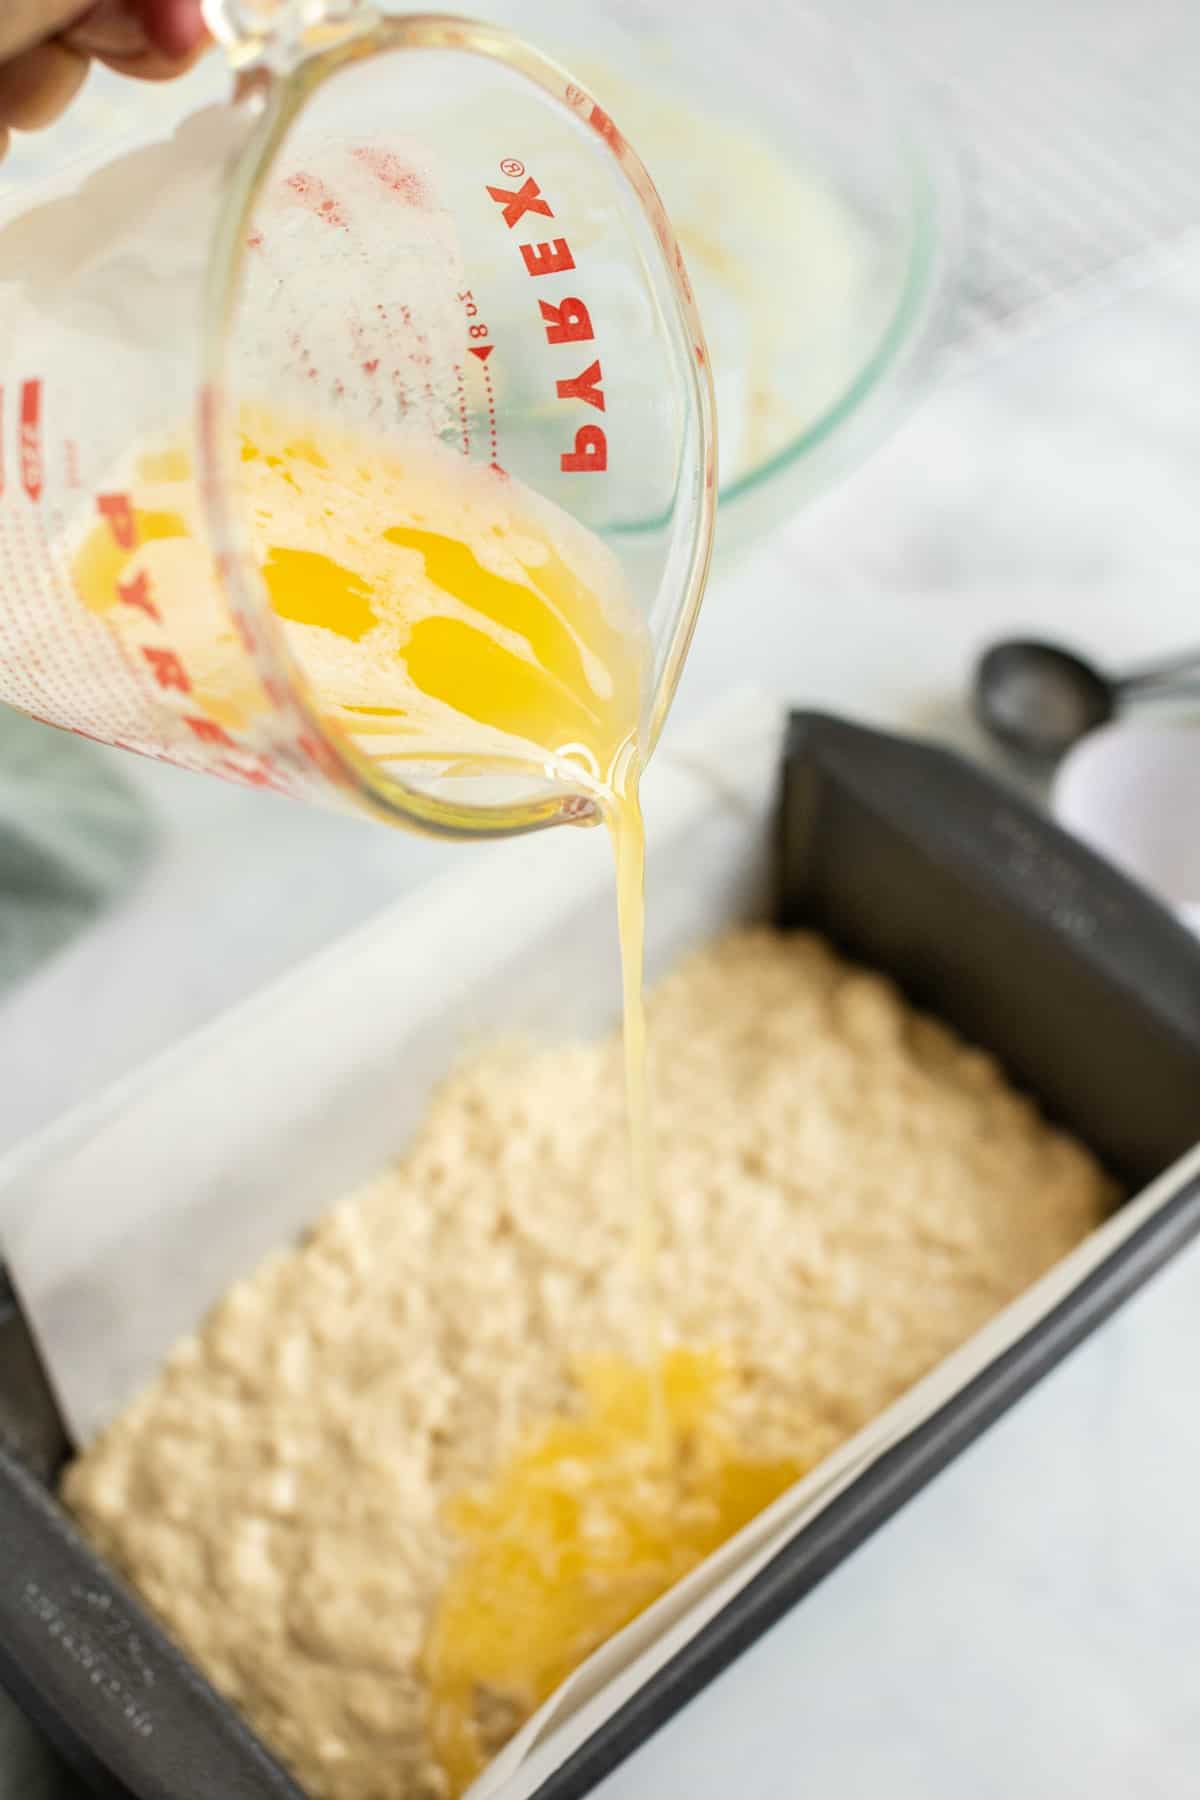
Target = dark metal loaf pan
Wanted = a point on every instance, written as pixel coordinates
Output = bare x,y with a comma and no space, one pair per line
913,862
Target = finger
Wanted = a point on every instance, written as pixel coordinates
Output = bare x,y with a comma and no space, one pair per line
176,27
152,65
110,29
39,84
115,34
24,23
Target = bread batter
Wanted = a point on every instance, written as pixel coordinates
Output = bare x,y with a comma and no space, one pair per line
846,1192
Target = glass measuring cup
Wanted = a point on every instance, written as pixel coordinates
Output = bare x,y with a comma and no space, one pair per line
420,233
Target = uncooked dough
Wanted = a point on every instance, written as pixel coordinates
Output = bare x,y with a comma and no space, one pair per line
847,1191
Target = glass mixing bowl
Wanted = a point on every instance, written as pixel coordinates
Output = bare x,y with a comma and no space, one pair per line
818,211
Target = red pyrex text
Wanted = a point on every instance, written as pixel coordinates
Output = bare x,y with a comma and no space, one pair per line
565,321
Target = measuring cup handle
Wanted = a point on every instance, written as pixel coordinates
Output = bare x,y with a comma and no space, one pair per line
259,30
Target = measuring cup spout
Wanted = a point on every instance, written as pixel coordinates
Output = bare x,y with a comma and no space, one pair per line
277,30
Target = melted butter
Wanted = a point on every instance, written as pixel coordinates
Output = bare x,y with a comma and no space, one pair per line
585,1527
311,589
439,612
452,602
627,830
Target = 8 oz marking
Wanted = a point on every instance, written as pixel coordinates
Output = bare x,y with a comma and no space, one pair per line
482,347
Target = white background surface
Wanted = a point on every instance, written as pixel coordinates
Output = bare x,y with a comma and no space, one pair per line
1030,1628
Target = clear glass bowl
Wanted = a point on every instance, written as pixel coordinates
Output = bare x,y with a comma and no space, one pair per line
818,211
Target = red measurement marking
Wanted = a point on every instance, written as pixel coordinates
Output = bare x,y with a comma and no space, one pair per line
169,672
117,511
262,774
316,198
464,418
491,412
422,358
368,364
254,239
32,466
136,592
482,351
600,122
394,173
209,732
302,353
682,273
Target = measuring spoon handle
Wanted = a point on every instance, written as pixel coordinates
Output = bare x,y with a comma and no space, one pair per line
1186,662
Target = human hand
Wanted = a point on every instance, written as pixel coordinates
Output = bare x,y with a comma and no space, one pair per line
46,47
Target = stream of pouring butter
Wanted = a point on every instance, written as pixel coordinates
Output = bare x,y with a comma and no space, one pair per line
628,832
446,616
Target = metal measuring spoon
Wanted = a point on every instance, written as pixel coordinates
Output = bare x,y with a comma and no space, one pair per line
1040,699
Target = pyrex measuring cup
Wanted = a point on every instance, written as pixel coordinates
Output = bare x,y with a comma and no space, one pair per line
413,228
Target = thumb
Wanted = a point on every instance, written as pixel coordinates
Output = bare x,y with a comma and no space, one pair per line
24,23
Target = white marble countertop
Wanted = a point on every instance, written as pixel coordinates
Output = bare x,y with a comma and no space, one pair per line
1053,489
